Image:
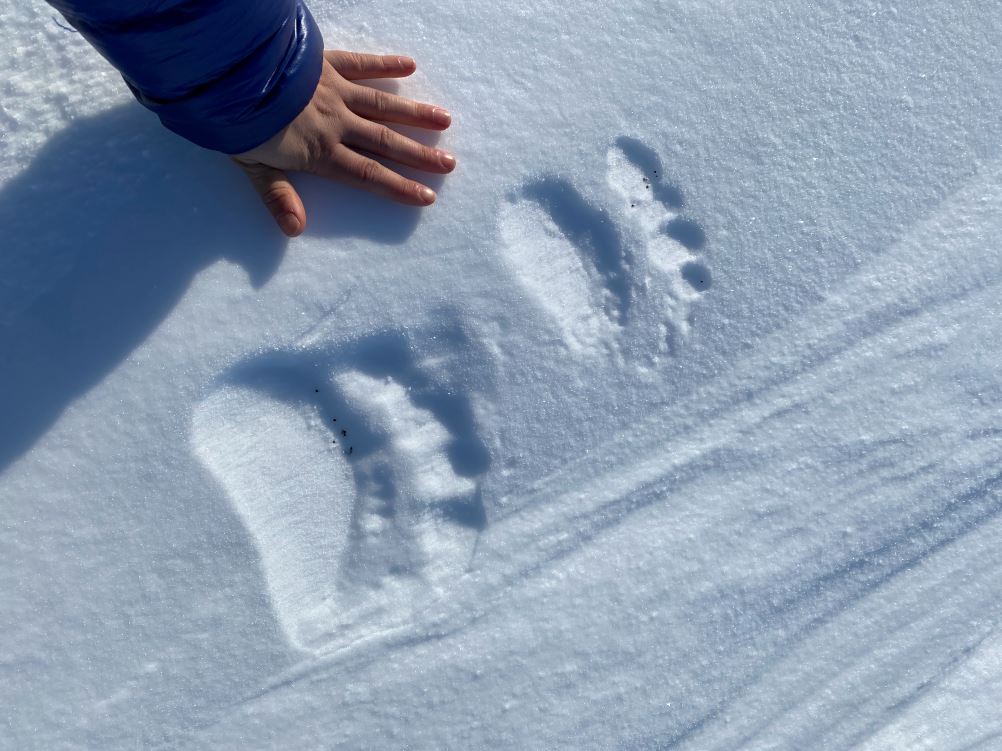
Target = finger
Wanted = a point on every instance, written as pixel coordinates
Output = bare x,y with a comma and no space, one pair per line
356,65
378,105
350,167
381,141
278,195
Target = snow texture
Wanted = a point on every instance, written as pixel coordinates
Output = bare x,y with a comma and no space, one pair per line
676,423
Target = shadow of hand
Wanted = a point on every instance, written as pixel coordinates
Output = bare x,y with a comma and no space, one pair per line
103,233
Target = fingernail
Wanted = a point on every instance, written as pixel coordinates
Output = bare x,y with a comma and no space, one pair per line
290,224
441,116
448,160
427,194
406,62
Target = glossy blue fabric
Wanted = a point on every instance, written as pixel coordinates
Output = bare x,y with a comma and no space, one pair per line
226,74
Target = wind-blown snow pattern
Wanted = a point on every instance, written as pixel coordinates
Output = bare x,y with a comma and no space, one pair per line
676,423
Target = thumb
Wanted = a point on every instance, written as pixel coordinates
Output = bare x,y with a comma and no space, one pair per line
278,195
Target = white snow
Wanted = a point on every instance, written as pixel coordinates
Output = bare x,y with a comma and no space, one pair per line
675,423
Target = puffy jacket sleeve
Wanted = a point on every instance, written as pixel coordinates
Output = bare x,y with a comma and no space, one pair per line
226,74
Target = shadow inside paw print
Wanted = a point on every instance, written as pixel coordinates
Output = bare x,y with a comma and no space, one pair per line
356,468
593,236
591,269
646,159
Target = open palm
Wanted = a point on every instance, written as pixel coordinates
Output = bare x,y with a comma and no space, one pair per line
339,131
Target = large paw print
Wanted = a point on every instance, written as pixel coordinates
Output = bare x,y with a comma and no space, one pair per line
356,471
592,270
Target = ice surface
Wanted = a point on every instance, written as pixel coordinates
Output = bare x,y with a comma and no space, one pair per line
674,424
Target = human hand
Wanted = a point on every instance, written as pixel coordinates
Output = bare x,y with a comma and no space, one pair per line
340,126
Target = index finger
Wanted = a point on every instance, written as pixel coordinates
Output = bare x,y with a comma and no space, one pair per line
357,65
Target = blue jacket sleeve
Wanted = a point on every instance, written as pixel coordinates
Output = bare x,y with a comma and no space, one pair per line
226,74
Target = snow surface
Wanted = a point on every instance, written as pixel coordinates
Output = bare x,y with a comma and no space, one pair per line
675,423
